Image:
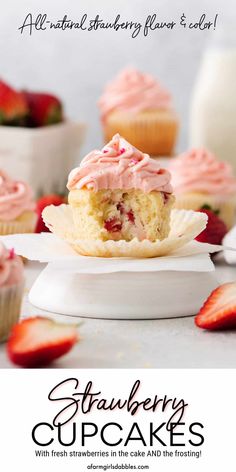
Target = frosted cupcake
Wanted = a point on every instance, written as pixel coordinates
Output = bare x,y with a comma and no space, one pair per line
119,193
11,290
140,109
17,207
200,179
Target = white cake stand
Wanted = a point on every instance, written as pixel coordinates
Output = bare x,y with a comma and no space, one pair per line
117,288
122,295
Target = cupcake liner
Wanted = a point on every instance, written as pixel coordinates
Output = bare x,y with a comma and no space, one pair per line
153,132
185,226
18,227
194,201
10,305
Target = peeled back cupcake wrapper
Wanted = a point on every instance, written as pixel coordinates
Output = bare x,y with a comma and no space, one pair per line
47,247
185,226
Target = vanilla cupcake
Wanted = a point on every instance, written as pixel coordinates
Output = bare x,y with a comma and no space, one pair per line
11,290
199,179
17,207
119,193
136,106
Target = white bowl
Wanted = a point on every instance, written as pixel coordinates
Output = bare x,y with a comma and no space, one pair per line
122,295
41,156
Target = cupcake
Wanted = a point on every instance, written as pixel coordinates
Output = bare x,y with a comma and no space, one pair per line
17,208
139,108
199,180
119,193
11,290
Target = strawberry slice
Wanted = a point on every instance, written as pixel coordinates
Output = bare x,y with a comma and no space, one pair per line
219,310
43,202
37,341
45,109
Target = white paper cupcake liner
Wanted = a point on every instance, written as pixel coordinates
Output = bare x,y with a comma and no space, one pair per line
10,305
185,226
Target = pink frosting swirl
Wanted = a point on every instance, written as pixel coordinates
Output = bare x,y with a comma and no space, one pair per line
133,91
15,198
11,267
119,165
199,170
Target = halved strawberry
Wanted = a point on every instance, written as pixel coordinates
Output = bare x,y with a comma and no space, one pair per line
43,202
37,341
45,109
219,310
13,106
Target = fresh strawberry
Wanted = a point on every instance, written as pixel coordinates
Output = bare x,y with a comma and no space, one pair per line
113,225
36,342
219,310
43,202
130,216
44,109
13,106
215,229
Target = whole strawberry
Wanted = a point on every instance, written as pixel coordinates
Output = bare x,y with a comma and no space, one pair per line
215,229
43,202
13,106
44,109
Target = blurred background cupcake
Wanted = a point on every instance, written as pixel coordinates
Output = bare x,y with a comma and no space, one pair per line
17,207
136,106
11,290
200,180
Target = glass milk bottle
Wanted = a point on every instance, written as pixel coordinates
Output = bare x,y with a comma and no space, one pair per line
213,108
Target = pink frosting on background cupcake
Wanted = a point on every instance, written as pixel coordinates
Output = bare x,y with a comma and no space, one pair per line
15,198
198,170
119,165
11,267
133,91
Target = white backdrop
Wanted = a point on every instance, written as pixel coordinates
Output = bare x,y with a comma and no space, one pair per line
76,65
24,404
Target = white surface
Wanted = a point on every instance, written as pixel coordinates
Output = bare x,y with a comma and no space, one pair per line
173,343
121,295
209,395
